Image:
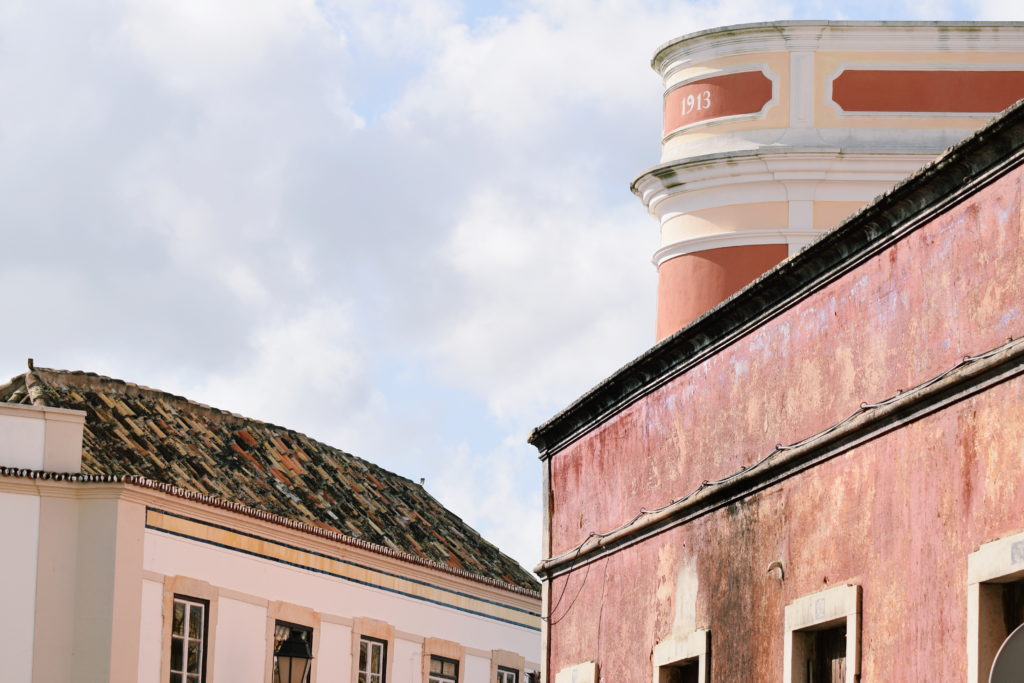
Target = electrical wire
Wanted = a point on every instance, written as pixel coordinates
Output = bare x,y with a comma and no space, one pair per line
564,586
551,620
779,448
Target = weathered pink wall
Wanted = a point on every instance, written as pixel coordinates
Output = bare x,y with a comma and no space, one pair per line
897,516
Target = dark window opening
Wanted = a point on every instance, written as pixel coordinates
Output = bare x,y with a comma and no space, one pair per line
826,661
682,672
1013,605
282,630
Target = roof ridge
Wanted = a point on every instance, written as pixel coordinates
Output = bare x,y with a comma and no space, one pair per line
25,384
86,380
33,386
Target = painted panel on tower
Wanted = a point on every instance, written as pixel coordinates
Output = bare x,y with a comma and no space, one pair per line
711,98
961,92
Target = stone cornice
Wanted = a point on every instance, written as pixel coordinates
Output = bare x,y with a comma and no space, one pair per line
737,238
35,412
959,173
785,164
141,490
837,36
970,377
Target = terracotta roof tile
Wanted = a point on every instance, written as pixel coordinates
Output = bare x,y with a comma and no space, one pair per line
137,431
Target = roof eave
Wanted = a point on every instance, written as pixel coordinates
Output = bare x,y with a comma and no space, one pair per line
961,171
278,520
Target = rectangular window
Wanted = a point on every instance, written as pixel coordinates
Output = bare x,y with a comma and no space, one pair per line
681,672
188,640
282,631
683,658
822,632
995,602
443,670
373,659
825,655
507,675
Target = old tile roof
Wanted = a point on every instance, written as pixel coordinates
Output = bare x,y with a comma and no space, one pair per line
135,430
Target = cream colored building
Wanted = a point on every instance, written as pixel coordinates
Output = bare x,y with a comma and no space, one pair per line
149,538
776,132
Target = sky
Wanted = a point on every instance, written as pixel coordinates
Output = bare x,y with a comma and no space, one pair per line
402,227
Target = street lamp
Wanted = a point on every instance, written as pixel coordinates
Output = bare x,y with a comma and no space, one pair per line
292,659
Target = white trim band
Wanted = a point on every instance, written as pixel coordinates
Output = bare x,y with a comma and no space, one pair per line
796,239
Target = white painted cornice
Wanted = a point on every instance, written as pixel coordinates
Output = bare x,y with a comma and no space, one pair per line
32,412
796,239
697,183
838,36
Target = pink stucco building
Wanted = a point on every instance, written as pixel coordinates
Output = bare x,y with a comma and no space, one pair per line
820,478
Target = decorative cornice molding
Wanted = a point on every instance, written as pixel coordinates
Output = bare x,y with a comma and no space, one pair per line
773,165
961,172
969,378
38,412
837,36
110,485
738,238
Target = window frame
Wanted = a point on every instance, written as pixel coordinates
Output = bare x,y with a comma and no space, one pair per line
831,608
367,627
510,661
274,644
989,569
681,650
371,640
441,677
204,638
504,672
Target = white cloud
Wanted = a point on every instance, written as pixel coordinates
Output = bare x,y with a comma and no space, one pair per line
495,494
304,371
404,29
998,10
203,44
537,269
270,205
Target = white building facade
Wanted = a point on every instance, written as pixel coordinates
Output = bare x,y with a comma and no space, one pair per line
122,578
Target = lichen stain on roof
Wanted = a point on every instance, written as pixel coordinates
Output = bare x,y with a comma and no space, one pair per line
135,430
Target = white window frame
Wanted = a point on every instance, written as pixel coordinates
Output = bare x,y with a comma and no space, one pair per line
372,644
507,675
838,606
998,562
188,604
678,650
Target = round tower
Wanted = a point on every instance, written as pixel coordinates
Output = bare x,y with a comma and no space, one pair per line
775,132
